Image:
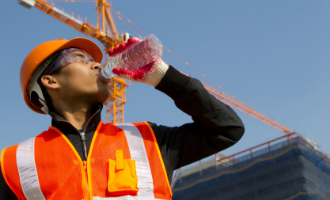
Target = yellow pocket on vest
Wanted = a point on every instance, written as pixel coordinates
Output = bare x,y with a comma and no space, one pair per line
122,176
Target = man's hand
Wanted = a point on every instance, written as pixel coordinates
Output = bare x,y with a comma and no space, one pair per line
150,74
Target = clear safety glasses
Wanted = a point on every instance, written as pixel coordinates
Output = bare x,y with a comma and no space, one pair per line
66,57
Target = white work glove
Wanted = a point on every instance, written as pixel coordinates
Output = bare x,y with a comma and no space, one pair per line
150,74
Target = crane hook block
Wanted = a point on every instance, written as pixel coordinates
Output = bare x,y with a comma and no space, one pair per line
27,3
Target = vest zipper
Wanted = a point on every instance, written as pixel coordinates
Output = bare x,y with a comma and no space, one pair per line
86,177
83,139
85,165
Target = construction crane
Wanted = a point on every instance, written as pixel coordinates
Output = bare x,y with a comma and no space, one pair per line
106,32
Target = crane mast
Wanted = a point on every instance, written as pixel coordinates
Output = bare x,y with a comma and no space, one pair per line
105,31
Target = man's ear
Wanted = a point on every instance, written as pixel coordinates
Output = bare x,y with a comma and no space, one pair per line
50,82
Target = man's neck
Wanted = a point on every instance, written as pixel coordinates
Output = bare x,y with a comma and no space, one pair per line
77,114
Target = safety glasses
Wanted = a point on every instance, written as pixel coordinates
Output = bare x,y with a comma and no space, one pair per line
66,57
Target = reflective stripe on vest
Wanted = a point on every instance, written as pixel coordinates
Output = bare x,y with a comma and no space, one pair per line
138,153
27,170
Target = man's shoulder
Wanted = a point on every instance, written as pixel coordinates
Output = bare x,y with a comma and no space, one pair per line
16,145
26,140
12,147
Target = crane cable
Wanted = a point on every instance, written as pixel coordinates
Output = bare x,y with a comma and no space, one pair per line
129,27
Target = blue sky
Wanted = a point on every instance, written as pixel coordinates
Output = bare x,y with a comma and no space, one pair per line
272,55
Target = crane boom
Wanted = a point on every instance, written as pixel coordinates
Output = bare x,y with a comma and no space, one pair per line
107,34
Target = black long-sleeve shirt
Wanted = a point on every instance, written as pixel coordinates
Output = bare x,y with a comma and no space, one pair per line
215,126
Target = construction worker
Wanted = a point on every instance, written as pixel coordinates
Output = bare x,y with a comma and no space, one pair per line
80,157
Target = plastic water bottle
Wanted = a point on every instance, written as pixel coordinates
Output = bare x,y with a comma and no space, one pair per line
135,56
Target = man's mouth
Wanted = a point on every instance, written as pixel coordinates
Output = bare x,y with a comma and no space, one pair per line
102,78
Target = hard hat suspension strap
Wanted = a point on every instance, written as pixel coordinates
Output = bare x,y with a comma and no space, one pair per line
34,90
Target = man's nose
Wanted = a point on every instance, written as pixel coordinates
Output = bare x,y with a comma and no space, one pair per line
97,67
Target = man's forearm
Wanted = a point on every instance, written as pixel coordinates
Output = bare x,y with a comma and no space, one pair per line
191,97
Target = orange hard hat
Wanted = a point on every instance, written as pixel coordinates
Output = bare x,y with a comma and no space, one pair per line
43,51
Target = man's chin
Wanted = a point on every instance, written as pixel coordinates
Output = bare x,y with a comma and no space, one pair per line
103,96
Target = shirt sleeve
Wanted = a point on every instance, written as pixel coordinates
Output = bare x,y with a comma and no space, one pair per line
215,126
5,191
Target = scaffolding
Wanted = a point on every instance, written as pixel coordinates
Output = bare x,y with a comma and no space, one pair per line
285,168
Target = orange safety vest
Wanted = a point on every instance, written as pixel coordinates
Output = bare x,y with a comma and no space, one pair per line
124,163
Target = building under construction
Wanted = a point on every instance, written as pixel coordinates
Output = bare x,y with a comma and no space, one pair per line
288,167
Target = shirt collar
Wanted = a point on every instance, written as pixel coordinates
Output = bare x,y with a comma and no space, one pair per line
67,128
